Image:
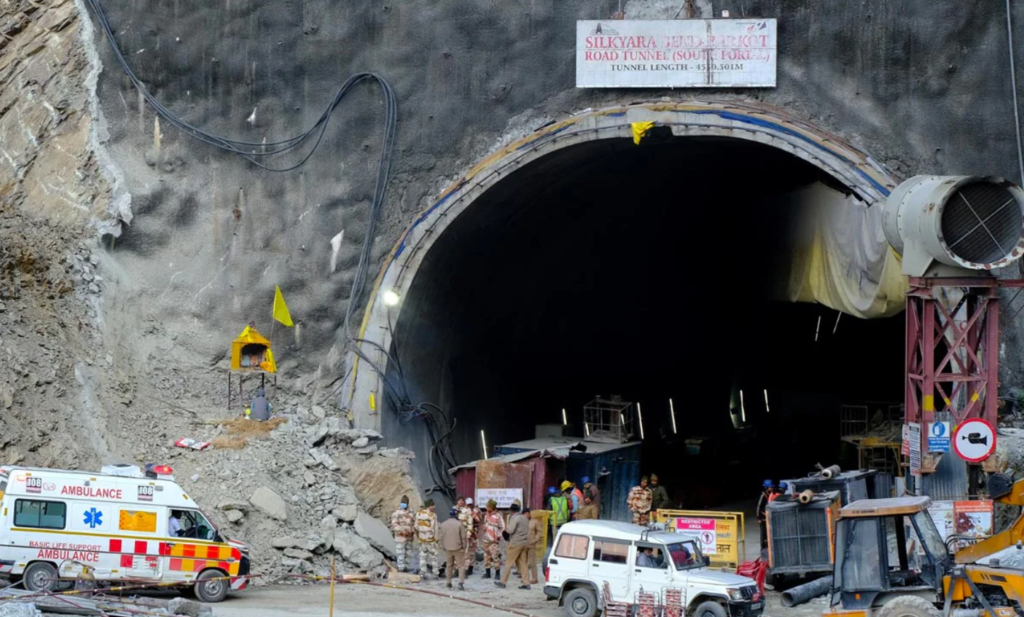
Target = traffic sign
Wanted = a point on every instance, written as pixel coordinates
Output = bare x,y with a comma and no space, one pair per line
974,440
938,436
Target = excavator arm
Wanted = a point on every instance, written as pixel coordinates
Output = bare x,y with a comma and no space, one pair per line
1004,491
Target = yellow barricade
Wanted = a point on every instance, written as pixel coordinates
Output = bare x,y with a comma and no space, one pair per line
542,517
730,532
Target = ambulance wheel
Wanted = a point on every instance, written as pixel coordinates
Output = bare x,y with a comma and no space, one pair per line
212,586
40,576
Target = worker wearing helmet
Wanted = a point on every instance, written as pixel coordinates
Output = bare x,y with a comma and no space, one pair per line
474,530
639,502
559,505
574,503
767,490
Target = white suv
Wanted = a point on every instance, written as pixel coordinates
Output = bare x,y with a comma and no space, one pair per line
633,559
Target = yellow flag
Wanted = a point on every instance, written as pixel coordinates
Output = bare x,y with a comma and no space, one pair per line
281,309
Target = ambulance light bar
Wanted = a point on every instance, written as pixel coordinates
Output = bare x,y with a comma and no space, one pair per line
162,472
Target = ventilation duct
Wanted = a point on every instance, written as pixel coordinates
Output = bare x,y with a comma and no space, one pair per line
943,225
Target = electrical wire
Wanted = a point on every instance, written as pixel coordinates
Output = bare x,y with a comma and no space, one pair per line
254,151
438,425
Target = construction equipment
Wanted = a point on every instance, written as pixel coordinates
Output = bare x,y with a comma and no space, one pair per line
801,534
891,561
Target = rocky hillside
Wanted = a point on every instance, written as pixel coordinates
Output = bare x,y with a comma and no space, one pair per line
86,378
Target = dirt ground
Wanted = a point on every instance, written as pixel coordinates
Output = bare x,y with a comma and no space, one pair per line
365,601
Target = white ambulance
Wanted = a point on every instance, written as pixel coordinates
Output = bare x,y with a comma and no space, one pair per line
120,525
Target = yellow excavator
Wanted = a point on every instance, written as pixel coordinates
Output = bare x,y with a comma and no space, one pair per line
891,561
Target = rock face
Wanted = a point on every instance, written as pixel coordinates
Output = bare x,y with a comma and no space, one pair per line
356,550
381,482
376,533
269,503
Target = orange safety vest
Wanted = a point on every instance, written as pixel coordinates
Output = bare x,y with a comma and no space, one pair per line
773,497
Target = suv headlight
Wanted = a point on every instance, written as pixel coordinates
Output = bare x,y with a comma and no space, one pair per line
735,594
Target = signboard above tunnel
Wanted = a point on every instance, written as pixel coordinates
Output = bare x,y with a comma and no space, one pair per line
687,53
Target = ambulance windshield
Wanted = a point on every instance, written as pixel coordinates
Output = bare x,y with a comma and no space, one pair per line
194,525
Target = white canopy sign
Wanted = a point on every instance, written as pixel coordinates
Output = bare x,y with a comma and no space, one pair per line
684,53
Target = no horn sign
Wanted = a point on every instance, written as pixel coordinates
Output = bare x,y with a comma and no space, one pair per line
938,437
974,440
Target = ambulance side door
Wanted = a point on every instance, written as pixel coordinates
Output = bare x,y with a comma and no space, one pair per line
144,528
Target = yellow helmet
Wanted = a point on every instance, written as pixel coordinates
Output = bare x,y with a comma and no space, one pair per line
566,485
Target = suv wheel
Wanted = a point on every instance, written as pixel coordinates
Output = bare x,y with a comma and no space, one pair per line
710,608
581,602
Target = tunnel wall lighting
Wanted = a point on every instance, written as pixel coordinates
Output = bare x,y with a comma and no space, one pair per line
817,329
743,409
565,418
766,410
672,412
483,442
622,420
391,297
836,327
586,428
640,416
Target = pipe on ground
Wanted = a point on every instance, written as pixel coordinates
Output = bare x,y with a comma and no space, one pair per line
806,592
806,496
830,472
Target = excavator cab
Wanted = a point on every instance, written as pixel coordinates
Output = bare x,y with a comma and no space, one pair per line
888,554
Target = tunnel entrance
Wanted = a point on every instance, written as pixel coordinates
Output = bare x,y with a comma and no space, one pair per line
652,272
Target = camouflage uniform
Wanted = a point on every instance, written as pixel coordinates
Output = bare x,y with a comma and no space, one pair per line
471,518
403,526
426,533
639,502
494,525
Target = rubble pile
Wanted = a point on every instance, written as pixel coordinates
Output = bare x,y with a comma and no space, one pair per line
311,490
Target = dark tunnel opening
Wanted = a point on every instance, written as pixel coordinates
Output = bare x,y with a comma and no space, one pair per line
650,272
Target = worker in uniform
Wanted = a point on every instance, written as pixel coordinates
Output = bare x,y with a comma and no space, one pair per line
639,502
452,537
574,502
767,489
473,519
426,533
518,536
589,510
595,494
403,526
577,496
559,506
659,495
494,527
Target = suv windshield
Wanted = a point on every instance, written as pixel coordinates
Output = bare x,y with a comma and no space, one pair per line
685,555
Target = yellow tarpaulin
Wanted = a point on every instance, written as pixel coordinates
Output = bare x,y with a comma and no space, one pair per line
640,130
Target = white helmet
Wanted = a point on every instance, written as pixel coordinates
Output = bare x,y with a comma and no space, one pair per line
469,501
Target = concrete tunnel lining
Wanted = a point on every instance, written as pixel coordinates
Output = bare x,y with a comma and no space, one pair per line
864,178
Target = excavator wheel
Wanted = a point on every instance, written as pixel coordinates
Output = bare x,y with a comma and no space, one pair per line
909,606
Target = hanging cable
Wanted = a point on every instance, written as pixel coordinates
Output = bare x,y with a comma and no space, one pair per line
254,151
1013,85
